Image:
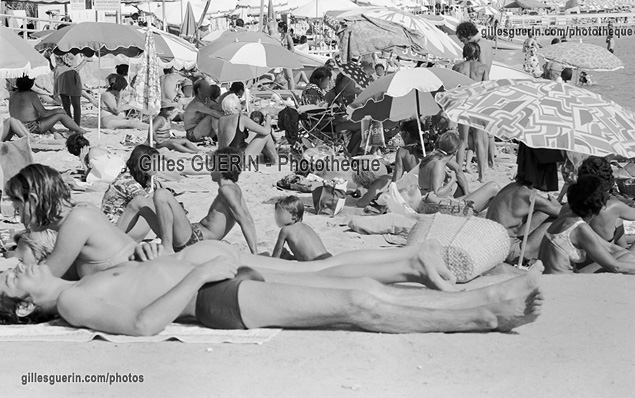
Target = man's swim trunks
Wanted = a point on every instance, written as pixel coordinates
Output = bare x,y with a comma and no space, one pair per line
197,236
190,135
515,248
33,126
217,302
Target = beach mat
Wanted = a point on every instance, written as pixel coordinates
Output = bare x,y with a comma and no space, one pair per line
60,331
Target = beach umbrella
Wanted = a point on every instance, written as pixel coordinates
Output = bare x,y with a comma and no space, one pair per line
317,9
229,60
405,94
95,38
435,41
245,36
582,55
501,71
544,114
188,26
356,74
571,4
19,58
172,50
488,10
147,90
525,4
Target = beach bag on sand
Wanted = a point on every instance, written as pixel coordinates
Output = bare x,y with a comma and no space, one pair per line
329,199
455,207
105,168
472,245
14,156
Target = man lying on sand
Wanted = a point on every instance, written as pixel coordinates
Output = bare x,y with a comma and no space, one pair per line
227,209
510,208
25,106
212,286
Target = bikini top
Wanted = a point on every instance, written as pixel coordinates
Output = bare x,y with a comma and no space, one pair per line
562,242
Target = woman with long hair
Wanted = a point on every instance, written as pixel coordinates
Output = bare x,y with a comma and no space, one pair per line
128,202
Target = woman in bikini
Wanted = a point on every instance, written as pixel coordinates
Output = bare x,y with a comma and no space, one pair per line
86,241
570,240
111,107
437,180
128,202
234,128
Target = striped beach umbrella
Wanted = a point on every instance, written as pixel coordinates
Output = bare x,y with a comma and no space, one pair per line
405,94
544,114
147,91
173,51
19,57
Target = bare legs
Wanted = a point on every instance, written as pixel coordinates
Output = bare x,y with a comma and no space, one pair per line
139,218
205,128
179,144
174,226
118,122
258,144
47,123
15,128
483,196
464,131
481,143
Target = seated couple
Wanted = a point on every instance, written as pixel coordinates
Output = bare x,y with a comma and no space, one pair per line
223,288
136,207
25,106
201,115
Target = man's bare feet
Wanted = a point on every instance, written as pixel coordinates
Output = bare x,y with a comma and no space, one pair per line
516,312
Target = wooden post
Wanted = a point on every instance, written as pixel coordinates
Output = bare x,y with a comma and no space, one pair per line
262,15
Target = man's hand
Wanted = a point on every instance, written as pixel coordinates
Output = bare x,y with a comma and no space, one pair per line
434,273
147,252
218,269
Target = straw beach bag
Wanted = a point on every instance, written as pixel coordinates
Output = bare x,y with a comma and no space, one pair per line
471,245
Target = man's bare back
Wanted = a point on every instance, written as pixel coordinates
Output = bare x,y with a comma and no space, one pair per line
303,242
472,69
170,87
510,208
219,219
21,106
487,53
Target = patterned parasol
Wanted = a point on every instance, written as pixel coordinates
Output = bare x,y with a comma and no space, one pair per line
544,115
355,73
147,93
583,56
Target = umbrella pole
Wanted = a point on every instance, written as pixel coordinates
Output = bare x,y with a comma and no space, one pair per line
99,97
262,15
423,145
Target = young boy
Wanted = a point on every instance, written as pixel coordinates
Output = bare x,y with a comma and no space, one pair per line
304,243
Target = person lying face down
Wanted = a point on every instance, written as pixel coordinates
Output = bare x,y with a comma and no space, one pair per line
203,281
87,242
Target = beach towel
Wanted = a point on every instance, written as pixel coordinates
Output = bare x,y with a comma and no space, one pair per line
403,197
14,155
60,331
105,168
391,223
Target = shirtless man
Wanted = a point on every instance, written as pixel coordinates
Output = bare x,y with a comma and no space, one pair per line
479,72
467,32
206,282
227,209
202,113
25,106
510,208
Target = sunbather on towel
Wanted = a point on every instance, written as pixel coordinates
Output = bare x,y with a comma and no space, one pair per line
510,208
12,126
227,209
304,243
211,282
86,243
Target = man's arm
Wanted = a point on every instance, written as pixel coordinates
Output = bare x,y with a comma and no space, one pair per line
547,206
102,315
398,172
39,108
625,211
198,107
282,239
600,252
242,216
461,180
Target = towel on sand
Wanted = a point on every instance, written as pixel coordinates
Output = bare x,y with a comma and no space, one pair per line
59,330
14,155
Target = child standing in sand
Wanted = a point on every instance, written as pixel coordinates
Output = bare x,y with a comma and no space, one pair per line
304,243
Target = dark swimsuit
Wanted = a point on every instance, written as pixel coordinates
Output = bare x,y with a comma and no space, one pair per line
217,302
239,138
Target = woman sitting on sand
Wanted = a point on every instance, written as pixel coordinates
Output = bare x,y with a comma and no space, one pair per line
128,201
162,136
86,242
234,128
608,223
97,162
437,182
570,240
111,107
